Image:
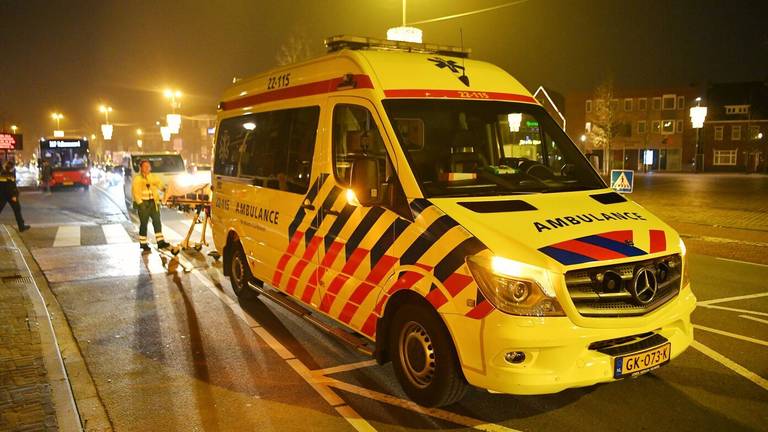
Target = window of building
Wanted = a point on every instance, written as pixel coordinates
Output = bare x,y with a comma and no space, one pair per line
735,133
656,104
641,127
724,157
628,104
737,109
667,127
668,102
679,126
754,132
681,102
642,104
600,105
614,105
355,134
718,133
656,126
588,105
274,149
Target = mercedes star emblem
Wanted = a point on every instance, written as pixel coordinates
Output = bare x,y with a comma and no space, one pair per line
645,285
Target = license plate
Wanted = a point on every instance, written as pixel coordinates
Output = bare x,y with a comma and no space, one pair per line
642,362
68,183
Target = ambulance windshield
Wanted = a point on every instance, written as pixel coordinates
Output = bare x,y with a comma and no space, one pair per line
473,148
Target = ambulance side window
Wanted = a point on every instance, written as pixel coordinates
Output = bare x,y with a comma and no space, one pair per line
232,133
355,134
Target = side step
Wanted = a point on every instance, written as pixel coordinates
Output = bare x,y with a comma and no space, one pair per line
357,342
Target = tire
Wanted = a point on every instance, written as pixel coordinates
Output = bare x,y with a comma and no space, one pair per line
240,274
423,357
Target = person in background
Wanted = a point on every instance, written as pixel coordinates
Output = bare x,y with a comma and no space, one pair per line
46,175
9,193
146,199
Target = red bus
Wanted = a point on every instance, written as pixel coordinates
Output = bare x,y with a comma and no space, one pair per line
69,161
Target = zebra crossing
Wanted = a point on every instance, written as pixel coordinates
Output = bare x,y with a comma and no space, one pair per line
73,235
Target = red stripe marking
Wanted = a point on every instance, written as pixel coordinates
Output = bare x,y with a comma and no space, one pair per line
405,281
369,328
424,266
619,236
309,89
481,311
588,250
658,241
457,94
338,282
456,283
437,298
319,272
297,236
298,269
361,293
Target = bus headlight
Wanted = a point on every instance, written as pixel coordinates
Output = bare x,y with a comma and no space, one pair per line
514,287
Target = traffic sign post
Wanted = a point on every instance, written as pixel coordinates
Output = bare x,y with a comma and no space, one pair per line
622,181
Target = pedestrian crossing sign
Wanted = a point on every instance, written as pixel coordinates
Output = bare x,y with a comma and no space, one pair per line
622,180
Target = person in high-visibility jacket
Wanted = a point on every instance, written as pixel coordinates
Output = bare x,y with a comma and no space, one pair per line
9,193
146,199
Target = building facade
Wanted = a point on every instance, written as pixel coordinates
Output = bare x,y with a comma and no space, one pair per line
735,133
651,128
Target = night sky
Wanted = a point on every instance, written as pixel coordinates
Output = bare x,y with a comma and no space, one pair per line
72,55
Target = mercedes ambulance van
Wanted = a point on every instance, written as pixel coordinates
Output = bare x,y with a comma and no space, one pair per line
427,204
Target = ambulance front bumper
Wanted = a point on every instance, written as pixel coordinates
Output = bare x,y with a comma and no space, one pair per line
557,352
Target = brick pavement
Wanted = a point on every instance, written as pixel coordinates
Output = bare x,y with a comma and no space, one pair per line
25,395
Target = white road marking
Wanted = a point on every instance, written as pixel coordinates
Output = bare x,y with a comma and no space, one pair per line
115,233
344,410
753,319
344,368
731,335
730,364
413,406
746,311
727,299
743,262
67,235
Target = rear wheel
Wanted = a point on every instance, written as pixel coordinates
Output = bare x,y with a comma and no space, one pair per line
423,357
240,274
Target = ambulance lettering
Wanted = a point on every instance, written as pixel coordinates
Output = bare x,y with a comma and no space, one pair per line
566,221
258,213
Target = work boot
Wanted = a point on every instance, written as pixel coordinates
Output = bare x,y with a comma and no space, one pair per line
162,244
145,248
24,228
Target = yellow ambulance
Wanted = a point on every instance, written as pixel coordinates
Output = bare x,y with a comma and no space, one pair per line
427,204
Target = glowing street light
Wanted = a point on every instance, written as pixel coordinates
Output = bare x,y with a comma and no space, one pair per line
57,116
139,132
106,110
698,115
173,97
404,33
14,128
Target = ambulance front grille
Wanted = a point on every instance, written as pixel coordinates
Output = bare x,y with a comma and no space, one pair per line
607,291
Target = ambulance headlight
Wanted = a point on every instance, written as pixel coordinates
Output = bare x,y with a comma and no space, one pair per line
185,180
514,287
684,255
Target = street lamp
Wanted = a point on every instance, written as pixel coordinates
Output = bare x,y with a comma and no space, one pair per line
58,132
106,128
404,33
14,128
106,110
173,120
698,115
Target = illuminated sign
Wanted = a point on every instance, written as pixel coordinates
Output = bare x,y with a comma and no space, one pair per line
11,141
63,144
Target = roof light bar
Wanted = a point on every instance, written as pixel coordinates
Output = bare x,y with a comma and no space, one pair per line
340,42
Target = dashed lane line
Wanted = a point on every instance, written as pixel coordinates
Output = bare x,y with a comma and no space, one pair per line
731,335
730,309
754,319
412,406
728,299
730,364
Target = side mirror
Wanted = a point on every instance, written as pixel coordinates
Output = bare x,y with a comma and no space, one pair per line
364,180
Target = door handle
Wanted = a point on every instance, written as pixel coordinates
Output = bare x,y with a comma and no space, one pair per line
307,205
332,212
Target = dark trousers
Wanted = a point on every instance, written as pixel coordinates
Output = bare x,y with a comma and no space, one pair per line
12,198
148,210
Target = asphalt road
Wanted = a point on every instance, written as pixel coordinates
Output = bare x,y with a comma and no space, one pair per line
173,350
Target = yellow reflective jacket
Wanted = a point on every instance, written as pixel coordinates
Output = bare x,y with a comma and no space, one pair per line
146,188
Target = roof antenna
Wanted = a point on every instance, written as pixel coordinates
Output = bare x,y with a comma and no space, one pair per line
463,78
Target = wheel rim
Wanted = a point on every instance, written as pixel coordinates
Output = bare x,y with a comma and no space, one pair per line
417,354
238,272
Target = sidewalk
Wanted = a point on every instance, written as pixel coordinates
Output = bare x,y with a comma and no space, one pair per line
34,390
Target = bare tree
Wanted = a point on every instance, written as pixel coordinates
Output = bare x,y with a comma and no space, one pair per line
295,49
605,120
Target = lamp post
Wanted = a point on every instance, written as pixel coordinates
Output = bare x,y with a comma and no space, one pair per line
14,128
58,116
173,120
698,115
106,128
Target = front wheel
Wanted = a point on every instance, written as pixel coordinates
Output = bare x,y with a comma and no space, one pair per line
423,357
240,274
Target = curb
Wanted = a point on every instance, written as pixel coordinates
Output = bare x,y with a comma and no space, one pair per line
78,404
